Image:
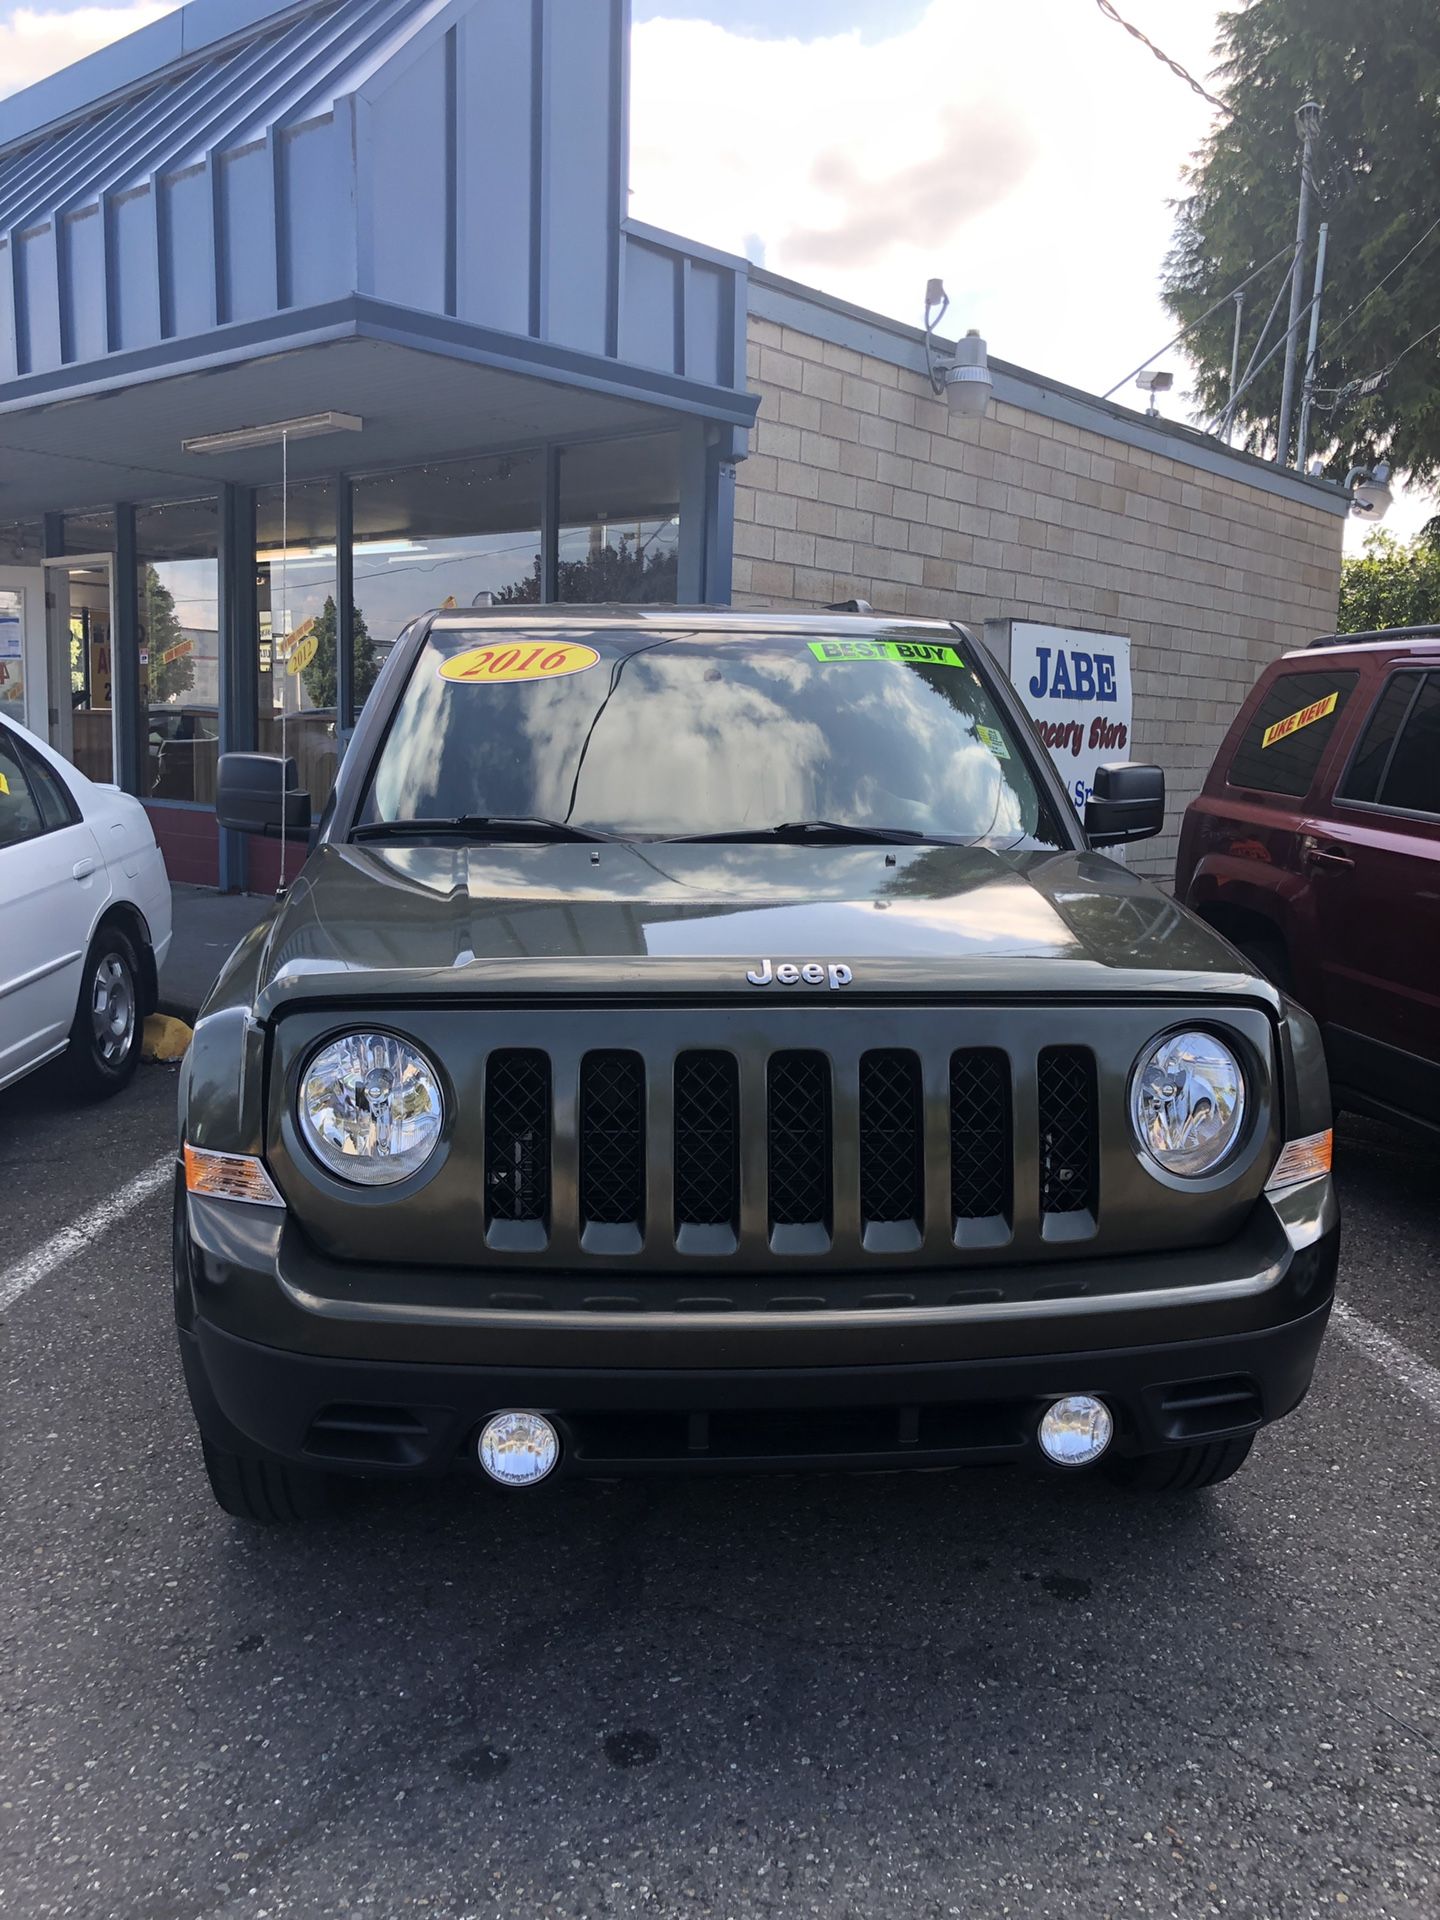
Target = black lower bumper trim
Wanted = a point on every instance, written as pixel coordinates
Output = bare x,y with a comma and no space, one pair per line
366,1416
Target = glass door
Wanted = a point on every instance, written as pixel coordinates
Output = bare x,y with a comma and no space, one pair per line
80,626
22,645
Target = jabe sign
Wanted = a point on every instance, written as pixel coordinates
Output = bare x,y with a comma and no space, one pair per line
1076,688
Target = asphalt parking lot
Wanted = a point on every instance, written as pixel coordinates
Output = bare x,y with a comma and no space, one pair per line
907,1696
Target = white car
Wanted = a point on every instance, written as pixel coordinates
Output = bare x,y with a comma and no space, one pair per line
84,918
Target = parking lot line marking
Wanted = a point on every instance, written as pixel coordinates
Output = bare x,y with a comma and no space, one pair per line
1407,1369
64,1245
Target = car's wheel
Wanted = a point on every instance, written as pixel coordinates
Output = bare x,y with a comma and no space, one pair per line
267,1493
1183,1469
104,1048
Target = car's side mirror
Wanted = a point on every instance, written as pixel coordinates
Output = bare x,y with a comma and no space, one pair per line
1127,802
260,793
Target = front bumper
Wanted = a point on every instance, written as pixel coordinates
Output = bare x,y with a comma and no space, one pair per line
305,1360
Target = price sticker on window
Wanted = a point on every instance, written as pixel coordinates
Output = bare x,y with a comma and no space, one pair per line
494,665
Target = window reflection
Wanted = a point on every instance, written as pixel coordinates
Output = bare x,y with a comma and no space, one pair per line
297,635
444,536
178,623
620,520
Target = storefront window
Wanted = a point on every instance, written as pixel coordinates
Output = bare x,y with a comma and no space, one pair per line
21,543
79,607
620,519
90,532
178,623
298,637
443,536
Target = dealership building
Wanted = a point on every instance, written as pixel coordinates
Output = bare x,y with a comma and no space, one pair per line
315,317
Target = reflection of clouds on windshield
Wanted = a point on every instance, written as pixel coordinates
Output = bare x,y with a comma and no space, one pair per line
683,736
681,727
957,786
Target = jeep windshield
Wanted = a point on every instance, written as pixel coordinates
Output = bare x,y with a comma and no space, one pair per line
568,732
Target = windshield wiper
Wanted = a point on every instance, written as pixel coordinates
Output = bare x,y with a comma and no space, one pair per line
841,831
492,826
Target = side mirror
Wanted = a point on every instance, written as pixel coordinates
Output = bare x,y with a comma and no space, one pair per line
1126,803
260,793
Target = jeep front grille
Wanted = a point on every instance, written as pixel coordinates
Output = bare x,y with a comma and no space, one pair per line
517,1137
1068,1143
612,1152
981,1154
819,1154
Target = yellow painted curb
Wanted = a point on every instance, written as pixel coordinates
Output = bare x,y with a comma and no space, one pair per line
166,1038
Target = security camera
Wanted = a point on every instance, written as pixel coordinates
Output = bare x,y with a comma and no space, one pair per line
1154,381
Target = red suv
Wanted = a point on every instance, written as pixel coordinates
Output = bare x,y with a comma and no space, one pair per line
1315,849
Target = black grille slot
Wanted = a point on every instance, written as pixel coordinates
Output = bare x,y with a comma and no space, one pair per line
707,1140
1069,1171
799,1141
612,1140
892,1178
980,1153
517,1136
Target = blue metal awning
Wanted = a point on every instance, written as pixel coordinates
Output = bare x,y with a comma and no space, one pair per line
333,169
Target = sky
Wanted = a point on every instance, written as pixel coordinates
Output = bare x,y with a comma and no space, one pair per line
1024,152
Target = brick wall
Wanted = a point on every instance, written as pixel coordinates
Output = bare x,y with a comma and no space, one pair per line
860,484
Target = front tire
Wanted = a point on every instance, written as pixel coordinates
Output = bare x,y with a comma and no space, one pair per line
266,1493
104,1048
1182,1469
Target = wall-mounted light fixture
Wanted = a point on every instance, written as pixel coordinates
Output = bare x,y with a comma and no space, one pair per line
305,428
964,378
1152,381
1369,490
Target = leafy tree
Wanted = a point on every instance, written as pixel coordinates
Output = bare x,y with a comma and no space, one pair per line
1375,70
160,632
607,576
320,676
1391,584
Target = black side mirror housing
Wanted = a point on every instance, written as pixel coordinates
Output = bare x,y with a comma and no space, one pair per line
1127,802
261,793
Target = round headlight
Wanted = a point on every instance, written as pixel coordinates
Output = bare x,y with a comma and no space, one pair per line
1187,1101
370,1108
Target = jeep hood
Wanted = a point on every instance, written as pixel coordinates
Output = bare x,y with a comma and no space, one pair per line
637,921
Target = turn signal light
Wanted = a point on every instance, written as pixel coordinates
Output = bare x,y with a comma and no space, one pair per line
229,1176
1303,1159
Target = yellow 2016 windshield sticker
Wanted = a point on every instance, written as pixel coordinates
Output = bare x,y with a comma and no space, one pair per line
489,666
1292,723
920,653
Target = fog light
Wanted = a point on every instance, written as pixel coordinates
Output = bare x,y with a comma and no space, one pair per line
518,1449
1076,1430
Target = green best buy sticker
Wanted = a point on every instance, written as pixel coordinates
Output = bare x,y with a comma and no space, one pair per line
918,653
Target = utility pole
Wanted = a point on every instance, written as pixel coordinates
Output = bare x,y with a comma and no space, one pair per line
1239,299
1312,361
1307,123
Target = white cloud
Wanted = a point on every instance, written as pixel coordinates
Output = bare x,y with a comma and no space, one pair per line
1026,153
35,42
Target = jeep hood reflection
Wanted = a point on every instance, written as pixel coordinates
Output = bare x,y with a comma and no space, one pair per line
635,919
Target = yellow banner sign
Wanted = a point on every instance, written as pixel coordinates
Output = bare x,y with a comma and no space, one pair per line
1307,716
486,666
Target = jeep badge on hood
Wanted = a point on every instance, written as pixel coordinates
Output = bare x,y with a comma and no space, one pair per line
812,974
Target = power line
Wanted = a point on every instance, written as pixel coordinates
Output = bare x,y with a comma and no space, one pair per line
1428,334
1288,247
1174,65
1365,300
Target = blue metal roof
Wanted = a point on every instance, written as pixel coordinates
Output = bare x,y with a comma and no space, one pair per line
461,159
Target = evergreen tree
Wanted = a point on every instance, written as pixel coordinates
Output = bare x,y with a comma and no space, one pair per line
160,633
319,677
608,576
1375,70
